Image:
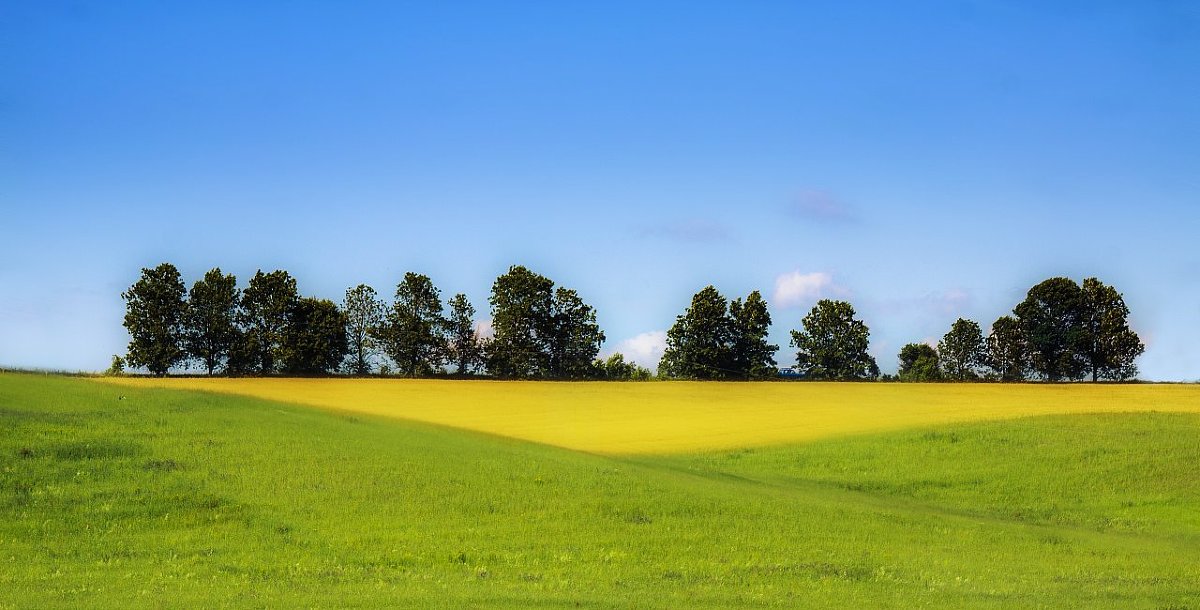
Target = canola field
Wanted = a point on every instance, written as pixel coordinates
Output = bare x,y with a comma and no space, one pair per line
675,417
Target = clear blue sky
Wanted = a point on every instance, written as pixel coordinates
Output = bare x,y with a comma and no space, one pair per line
924,160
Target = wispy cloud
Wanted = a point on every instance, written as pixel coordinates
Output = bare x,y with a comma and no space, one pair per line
822,206
795,288
950,301
693,230
939,304
645,349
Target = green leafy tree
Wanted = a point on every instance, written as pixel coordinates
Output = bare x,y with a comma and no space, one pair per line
540,331
962,351
715,339
1111,346
615,368
749,322
210,328
315,341
117,368
267,304
833,344
1052,318
522,316
244,357
919,362
154,316
413,335
574,338
1007,354
465,348
699,343
364,317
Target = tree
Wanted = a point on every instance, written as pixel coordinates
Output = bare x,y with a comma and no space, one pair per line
962,351
465,348
1111,346
154,314
522,317
413,334
749,323
714,339
244,357
540,331
833,344
267,303
699,343
574,338
210,327
315,341
364,316
1052,320
615,368
1006,350
919,362
116,368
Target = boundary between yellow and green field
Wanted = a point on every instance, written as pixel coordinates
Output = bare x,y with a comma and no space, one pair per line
678,417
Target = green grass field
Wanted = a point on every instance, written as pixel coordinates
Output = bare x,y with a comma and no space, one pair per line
173,498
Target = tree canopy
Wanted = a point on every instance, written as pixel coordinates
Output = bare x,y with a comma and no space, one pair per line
210,328
267,304
919,362
962,351
540,331
574,337
413,334
1111,346
1006,350
522,313
154,317
315,340
616,368
718,339
1060,331
699,344
465,348
752,356
1052,320
364,317
833,344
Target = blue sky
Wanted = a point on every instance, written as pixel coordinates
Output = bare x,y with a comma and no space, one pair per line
924,160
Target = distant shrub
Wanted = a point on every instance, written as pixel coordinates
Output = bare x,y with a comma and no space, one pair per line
117,368
617,369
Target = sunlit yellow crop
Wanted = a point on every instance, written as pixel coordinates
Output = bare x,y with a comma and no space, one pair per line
686,416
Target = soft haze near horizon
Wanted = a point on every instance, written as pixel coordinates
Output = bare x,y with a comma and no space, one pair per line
923,163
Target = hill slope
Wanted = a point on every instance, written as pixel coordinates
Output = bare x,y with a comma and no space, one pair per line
185,499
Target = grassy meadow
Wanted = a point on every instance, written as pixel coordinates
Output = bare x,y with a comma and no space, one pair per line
431,494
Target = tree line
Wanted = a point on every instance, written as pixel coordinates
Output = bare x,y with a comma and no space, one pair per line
1061,331
539,330
542,331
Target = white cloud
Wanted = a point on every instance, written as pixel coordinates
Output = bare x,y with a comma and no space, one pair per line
795,288
484,330
645,349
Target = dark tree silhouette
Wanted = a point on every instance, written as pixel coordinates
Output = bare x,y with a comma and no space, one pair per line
154,315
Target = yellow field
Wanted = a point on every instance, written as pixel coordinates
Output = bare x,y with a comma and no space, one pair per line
682,416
